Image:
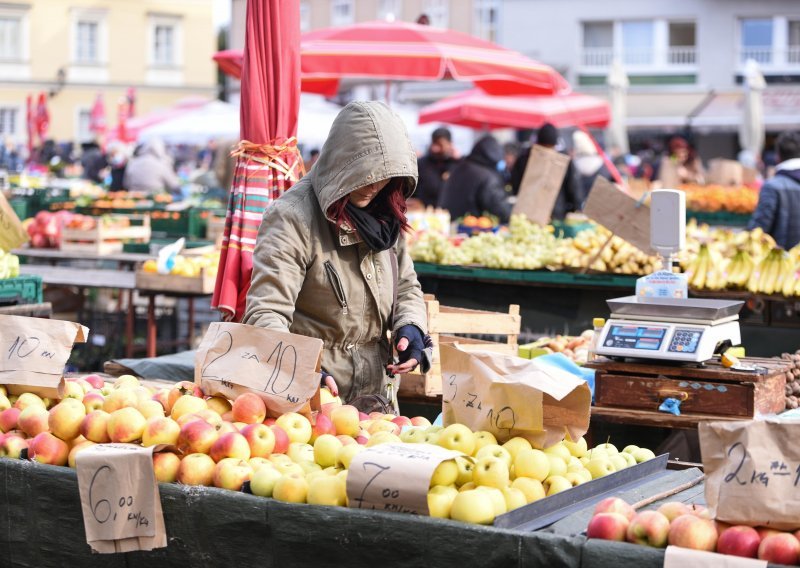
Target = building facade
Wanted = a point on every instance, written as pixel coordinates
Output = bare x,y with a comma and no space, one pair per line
74,50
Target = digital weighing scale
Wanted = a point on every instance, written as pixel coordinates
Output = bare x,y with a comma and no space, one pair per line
683,330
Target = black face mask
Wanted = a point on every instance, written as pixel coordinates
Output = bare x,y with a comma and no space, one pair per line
379,231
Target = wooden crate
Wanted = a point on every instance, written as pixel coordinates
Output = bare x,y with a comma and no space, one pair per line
709,390
150,281
444,323
106,240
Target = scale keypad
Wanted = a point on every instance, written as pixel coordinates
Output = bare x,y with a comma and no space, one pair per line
685,340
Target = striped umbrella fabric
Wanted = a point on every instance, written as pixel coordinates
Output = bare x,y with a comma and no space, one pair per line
401,51
475,109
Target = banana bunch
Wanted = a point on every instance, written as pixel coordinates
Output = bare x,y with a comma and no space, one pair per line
740,269
707,270
776,274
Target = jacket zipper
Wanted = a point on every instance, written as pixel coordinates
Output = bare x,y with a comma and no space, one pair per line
336,284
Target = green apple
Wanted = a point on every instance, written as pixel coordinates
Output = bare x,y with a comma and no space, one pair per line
575,478
473,506
466,468
610,449
556,484
301,452
577,449
346,454
290,488
446,473
619,462
440,500
630,449
413,435
515,498
495,451
532,488
559,450
514,445
326,448
491,472
310,467
534,464
628,458
432,438
642,455
498,500
600,467
433,428
263,481
597,453
483,438
557,465
327,490
459,438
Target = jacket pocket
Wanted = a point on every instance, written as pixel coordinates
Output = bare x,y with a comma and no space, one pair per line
336,284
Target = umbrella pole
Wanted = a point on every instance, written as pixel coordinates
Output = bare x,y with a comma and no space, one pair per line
609,164
388,93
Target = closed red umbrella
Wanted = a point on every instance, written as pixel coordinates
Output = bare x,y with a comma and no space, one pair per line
413,52
30,124
42,117
475,109
267,159
97,117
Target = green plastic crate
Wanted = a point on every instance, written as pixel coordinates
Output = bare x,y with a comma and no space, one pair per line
21,207
21,290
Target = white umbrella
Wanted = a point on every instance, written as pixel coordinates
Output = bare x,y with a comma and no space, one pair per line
617,90
214,120
751,129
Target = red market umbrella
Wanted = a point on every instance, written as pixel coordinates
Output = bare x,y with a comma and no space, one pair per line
478,110
128,126
414,52
267,159
42,118
97,117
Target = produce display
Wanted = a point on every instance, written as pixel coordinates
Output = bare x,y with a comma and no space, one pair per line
430,219
792,389
588,249
9,265
190,266
224,443
575,348
714,198
45,228
690,526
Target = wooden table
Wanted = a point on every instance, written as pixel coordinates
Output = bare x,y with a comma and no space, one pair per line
55,255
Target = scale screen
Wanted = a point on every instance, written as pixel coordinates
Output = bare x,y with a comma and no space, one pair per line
646,338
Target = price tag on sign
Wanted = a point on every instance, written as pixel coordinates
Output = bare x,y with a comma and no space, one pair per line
119,498
34,351
282,368
394,477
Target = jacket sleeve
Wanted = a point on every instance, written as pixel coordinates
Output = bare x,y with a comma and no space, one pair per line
766,210
492,198
410,308
279,268
571,186
170,179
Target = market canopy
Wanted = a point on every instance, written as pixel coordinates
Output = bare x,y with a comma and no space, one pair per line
401,51
478,110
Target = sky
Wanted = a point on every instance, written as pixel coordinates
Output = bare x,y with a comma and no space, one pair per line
222,13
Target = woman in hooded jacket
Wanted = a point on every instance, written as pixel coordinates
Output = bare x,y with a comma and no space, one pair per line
331,258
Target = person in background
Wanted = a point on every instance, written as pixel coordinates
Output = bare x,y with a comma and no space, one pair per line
435,167
588,163
93,162
151,170
510,153
687,164
475,186
778,209
423,20
313,156
10,158
117,158
569,196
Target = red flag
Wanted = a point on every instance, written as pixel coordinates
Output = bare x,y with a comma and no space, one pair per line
42,117
97,117
30,125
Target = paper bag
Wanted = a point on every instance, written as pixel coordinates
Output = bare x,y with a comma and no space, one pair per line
12,234
676,557
35,351
510,396
668,174
395,477
752,472
725,172
282,368
119,498
540,184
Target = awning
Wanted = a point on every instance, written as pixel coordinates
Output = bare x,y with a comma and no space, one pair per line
781,110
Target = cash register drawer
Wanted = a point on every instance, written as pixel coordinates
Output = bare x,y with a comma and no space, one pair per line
697,397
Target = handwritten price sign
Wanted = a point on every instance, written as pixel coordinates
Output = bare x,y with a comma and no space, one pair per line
394,477
33,351
499,419
119,493
282,368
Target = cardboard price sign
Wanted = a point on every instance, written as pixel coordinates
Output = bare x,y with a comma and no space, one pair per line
752,472
12,233
619,213
119,498
510,396
676,557
394,477
541,183
281,367
34,351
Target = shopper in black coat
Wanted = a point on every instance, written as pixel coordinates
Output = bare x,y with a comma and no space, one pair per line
435,167
475,186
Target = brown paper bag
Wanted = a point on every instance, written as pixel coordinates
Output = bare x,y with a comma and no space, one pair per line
725,172
510,396
619,213
282,368
676,557
540,184
668,174
752,472
12,234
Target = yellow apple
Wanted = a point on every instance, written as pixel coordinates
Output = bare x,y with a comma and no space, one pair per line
483,438
382,438
122,398
345,420
515,498
559,450
291,467
446,473
300,452
326,448
126,381
556,484
95,427
27,399
196,469
473,506
291,488
165,466
76,449
263,481
440,500
468,486
296,426
618,461
643,454
600,467
150,408
531,488
126,425
498,500
534,464
258,462
187,404
491,472
629,449
514,445
65,418
413,435
218,404
628,458
346,454
610,449
495,451
577,478
231,473
557,465
327,490
459,438
466,469
160,430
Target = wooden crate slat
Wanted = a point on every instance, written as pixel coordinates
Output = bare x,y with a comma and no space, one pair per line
202,284
476,323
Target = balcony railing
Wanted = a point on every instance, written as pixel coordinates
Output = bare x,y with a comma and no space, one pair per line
762,55
793,55
682,56
768,57
604,56
597,56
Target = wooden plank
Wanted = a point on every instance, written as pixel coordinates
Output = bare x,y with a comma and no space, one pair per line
82,278
654,419
477,323
769,395
712,370
149,281
619,213
99,248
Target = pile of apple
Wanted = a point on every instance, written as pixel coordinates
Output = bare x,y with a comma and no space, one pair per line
212,441
690,526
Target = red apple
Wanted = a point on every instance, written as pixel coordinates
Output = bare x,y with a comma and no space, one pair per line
420,421
322,425
11,446
615,505
782,548
739,541
282,440
197,437
8,419
94,427
95,380
230,445
249,408
346,420
700,511
162,396
93,401
46,448
225,427
764,532
402,421
231,473
261,439
649,528
362,416
65,419
691,531
362,437
33,420
608,526
165,466
160,430
269,421
196,469
183,388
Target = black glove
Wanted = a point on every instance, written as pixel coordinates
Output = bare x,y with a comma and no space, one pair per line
416,343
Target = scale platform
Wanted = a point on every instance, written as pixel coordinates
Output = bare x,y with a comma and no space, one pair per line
680,330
